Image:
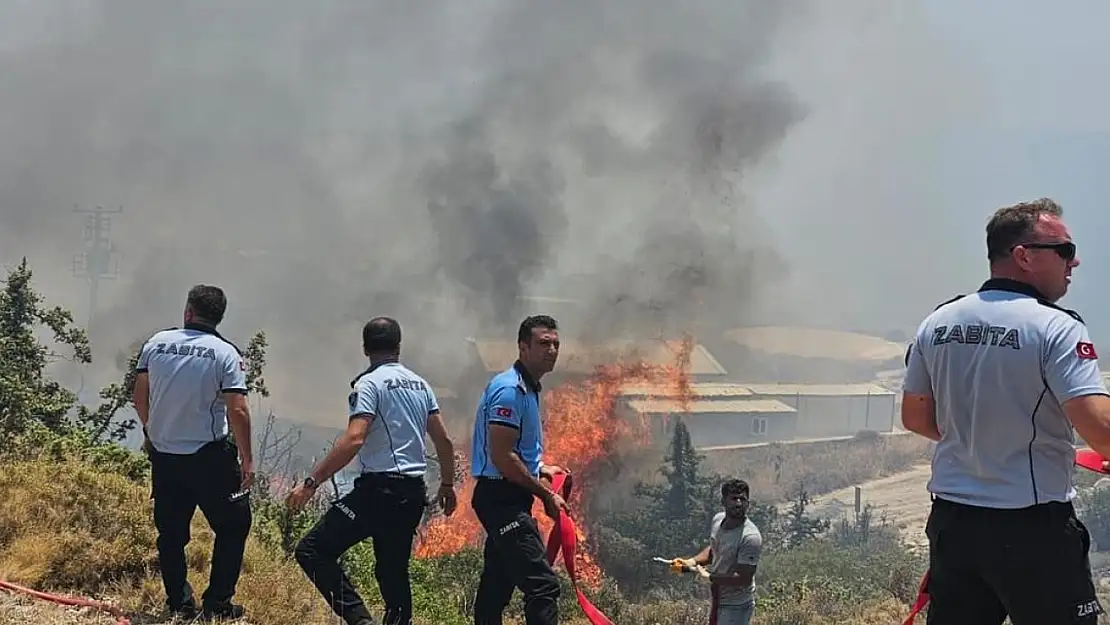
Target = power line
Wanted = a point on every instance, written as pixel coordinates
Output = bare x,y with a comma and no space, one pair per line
100,258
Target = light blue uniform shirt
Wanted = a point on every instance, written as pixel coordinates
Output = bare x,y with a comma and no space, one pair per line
512,398
399,402
998,364
190,369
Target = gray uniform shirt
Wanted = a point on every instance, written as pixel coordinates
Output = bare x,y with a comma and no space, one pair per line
731,546
398,401
189,369
998,364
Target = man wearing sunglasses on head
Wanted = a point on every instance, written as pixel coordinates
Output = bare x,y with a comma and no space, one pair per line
998,379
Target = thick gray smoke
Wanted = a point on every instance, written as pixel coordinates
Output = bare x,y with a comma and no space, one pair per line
435,161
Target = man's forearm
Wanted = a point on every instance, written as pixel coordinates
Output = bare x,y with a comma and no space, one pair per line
512,469
141,400
445,451
340,455
240,422
739,580
703,558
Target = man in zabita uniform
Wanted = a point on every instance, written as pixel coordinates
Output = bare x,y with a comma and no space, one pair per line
998,379
191,393
507,464
389,412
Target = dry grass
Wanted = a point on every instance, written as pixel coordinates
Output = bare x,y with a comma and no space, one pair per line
777,470
71,528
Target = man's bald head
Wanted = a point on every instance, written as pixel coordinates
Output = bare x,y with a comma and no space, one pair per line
381,335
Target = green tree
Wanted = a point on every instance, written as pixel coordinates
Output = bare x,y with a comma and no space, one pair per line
672,519
27,394
686,487
799,527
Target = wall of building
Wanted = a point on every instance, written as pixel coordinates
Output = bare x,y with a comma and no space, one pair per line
841,415
710,430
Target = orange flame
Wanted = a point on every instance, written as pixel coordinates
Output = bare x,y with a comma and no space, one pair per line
581,430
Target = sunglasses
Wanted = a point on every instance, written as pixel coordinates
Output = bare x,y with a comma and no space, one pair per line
1065,250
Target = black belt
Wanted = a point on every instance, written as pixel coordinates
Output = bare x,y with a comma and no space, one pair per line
391,475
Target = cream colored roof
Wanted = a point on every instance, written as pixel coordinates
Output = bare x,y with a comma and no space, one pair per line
576,357
664,406
697,389
817,343
817,389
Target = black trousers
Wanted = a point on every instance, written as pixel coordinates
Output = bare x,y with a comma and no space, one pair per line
382,506
210,479
515,556
1030,564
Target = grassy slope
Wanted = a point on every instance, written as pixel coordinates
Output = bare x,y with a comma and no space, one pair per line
68,527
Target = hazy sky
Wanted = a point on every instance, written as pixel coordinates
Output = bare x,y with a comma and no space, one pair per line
800,162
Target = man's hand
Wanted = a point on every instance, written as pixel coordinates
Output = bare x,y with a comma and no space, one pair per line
447,499
553,504
683,565
247,469
548,471
299,497
148,448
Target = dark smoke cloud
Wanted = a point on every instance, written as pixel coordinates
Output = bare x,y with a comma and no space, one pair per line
331,161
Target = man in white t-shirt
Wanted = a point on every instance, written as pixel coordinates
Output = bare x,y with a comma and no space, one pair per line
732,556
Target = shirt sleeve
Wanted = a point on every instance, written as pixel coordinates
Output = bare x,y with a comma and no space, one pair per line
433,403
1070,362
503,408
917,379
363,401
234,374
749,550
143,365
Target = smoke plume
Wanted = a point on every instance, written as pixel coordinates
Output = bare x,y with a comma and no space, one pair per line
436,161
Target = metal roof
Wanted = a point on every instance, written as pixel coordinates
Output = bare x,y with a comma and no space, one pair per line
697,389
575,357
817,343
818,389
666,406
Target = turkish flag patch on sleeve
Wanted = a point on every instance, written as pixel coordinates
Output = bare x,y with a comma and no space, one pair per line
504,412
1086,351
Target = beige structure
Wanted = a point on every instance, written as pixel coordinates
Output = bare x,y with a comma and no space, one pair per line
816,343
576,358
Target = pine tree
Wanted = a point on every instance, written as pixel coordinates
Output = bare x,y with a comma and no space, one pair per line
27,394
683,475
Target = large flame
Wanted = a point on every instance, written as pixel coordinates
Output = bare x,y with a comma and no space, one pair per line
581,430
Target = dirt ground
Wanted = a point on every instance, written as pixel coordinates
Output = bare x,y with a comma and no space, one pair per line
902,498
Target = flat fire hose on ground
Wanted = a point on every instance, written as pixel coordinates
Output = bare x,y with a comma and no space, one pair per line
66,600
1084,458
564,536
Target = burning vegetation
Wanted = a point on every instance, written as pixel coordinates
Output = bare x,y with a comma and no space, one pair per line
582,433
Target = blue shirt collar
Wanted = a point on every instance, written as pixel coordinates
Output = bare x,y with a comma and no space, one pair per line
530,383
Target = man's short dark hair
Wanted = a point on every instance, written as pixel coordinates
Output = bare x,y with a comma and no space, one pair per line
1013,225
735,487
381,335
208,303
524,335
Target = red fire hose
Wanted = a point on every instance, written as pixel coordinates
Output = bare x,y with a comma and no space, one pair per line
71,601
565,536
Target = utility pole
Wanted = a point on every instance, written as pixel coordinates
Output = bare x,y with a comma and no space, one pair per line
100,260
